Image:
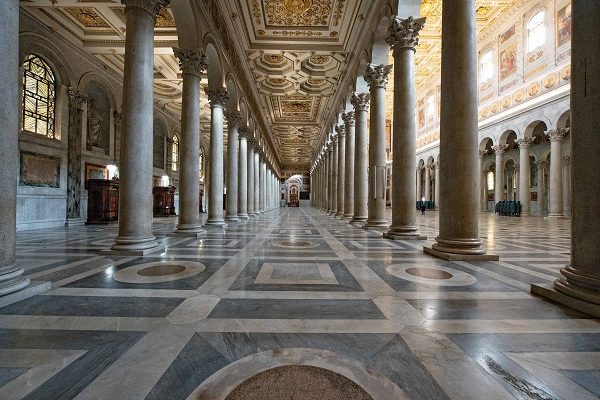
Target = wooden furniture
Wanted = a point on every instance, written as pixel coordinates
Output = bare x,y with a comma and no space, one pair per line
164,201
103,201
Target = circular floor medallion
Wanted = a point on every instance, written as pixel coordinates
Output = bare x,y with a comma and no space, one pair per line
431,275
298,382
159,271
295,244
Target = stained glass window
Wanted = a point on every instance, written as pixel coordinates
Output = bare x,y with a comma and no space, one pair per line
175,153
536,32
39,95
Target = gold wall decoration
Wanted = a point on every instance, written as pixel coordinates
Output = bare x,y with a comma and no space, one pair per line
298,33
297,13
164,19
319,60
87,16
338,13
295,106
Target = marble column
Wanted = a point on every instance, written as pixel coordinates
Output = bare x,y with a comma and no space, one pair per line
437,185
499,175
243,174
348,118
341,170
555,184
233,121
403,39
330,177
566,186
334,174
77,102
427,172
377,79
192,64
262,184
579,286
419,196
459,218
360,101
135,169
541,197
257,208
524,175
482,183
250,181
218,98
11,274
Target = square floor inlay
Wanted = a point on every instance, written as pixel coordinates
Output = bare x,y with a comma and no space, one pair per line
296,274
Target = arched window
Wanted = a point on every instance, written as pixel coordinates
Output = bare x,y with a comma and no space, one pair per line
175,153
536,32
487,66
39,96
490,180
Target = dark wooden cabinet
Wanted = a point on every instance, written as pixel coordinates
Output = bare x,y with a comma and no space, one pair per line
103,201
164,201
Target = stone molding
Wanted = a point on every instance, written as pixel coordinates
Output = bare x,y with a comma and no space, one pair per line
360,101
152,7
377,75
525,143
348,118
233,118
190,61
76,99
217,97
500,148
403,33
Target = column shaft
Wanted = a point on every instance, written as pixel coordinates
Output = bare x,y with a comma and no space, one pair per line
243,175
334,175
524,176
11,279
341,171
555,184
250,181
566,186
360,101
437,185
257,208
499,175
233,120
349,167
330,177
262,185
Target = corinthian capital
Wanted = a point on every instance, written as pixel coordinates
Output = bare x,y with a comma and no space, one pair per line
525,142
500,148
557,135
348,117
341,130
151,6
403,33
360,101
233,118
244,132
190,61
217,96
76,99
377,75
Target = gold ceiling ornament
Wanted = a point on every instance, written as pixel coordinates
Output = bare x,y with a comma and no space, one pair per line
300,13
338,13
298,33
277,81
319,60
164,19
273,58
87,16
316,82
295,106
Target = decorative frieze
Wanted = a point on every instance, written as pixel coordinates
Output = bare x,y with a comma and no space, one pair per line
190,61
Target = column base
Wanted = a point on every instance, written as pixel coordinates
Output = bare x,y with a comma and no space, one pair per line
458,249
339,215
358,221
555,217
251,214
404,233
380,225
75,221
232,220
12,279
525,214
215,224
194,233
347,217
34,287
550,292
132,246
243,217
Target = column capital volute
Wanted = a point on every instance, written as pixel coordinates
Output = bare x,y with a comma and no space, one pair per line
377,75
557,135
330,147
233,118
348,118
500,148
525,142
340,130
244,132
217,97
540,164
191,62
403,33
334,139
566,159
360,101
76,99
152,7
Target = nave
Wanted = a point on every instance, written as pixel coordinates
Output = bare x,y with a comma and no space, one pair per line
296,287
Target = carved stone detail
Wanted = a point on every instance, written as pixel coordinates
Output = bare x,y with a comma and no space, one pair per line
482,153
244,132
403,33
217,96
340,130
360,101
76,99
377,75
566,159
348,117
557,135
233,118
190,61
525,142
500,148
151,6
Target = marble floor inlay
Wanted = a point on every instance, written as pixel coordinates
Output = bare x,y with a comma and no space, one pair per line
296,293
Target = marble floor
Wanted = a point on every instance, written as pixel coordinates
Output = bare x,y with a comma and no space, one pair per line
296,287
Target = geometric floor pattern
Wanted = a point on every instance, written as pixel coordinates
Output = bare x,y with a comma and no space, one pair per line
296,287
